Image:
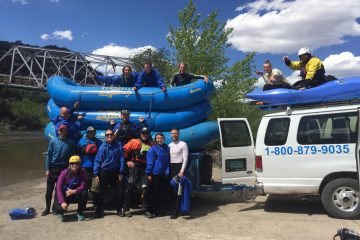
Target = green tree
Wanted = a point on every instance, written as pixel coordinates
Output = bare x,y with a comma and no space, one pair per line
159,58
200,43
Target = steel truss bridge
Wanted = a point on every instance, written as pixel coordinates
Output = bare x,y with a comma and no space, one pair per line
30,67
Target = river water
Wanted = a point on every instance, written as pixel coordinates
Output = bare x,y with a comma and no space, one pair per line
21,155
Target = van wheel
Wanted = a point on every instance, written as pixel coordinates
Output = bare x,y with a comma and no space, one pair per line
341,198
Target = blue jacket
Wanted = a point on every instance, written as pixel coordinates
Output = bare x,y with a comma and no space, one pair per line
158,160
119,80
59,152
153,79
110,157
72,124
88,159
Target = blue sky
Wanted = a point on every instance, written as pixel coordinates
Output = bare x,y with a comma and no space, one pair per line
272,28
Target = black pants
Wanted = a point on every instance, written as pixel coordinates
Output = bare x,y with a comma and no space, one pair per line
136,186
175,199
274,86
110,178
79,198
51,180
160,194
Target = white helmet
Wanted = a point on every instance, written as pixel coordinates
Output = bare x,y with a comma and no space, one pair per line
304,50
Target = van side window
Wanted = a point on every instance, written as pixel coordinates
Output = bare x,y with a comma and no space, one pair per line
235,134
277,131
328,129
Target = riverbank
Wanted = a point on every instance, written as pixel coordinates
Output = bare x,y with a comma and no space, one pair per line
213,216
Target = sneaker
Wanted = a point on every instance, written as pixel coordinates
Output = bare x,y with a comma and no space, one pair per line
173,216
120,213
149,215
80,217
45,212
127,214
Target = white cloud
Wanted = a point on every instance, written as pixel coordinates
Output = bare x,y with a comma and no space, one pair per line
59,35
344,64
120,51
55,1
116,51
279,26
67,34
45,37
22,2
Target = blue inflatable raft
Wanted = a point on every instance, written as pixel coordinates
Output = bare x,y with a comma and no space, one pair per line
157,121
197,136
336,90
64,92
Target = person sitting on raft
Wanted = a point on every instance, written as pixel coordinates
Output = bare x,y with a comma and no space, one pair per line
182,77
149,77
126,79
273,77
71,188
73,121
126,130
312,70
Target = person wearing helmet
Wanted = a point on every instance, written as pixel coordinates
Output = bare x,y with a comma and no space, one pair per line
149,77
89,146
273,77
59,151
71,188
126,79
312,70
126,130
135,156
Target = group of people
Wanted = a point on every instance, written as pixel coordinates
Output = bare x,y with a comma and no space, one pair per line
312,72
138,170
149,77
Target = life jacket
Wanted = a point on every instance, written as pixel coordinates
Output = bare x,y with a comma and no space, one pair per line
139,155
125,132
74,181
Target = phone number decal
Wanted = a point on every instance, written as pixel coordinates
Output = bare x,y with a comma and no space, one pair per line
308,149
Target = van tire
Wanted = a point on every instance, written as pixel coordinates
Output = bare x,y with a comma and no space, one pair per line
341,198
206,170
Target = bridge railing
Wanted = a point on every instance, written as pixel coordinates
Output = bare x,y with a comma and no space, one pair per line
30,67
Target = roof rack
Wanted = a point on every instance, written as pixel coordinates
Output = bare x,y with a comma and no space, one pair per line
290,106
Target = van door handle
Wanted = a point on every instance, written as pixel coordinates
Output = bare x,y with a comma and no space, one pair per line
249,172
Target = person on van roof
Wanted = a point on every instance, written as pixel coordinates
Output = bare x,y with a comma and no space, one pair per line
312,70
273,77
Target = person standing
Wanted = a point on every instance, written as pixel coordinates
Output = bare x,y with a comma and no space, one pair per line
273,77
157,171
179,154
71,188
182,77
135,154
150,77
312,70
109,170
89,146
59,151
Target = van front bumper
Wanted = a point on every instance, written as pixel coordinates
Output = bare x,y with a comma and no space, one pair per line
259,187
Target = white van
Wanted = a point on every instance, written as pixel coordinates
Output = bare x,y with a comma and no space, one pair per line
298,152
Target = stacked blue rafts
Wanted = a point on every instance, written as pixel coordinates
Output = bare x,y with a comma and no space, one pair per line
185,107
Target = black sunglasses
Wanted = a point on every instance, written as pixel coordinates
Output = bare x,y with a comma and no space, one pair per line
73,163
109,134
